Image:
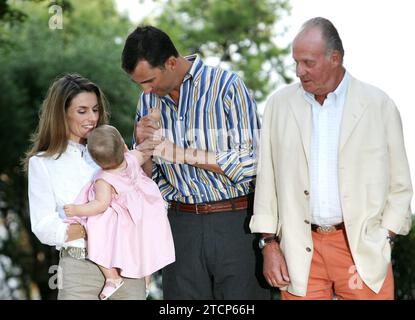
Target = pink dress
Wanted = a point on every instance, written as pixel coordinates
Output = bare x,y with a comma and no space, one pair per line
134,233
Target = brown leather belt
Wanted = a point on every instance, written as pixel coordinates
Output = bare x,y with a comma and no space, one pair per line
234,204
327,229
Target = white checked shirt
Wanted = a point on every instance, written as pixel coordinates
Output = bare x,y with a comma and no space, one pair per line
325,136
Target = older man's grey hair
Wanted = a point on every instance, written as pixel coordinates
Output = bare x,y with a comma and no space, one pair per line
329,33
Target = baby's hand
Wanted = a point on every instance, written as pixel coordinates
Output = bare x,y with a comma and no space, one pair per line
69,210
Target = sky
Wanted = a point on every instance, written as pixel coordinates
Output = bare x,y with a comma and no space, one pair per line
378,40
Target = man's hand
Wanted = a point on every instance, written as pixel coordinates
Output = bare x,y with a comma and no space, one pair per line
275,268
70,210
147,129
147,147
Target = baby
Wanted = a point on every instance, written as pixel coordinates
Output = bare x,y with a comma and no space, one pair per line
128,231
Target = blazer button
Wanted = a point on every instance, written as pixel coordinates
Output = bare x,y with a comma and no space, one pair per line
308,249
306,192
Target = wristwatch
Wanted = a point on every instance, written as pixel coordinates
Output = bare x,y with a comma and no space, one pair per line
265,240
391,239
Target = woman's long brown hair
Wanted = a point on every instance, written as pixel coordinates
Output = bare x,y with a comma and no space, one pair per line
51,135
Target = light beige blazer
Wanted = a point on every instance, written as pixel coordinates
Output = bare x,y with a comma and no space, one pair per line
374,180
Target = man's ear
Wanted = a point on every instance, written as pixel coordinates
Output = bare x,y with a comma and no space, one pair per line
336,58
171,63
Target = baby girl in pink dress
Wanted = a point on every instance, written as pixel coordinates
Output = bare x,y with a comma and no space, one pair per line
128,230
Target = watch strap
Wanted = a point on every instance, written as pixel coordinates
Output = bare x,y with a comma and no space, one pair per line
270,238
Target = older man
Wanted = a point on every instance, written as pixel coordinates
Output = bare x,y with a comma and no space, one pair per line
333,183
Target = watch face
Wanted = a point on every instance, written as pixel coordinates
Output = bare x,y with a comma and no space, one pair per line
261,243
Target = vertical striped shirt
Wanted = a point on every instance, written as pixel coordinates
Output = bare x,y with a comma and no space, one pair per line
215,113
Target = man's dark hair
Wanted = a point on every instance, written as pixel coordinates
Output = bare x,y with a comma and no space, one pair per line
147,43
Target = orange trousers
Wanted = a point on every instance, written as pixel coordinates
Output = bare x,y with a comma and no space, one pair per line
333,273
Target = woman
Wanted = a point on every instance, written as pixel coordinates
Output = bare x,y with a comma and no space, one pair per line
58,166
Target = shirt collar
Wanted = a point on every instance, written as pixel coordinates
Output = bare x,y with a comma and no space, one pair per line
338,93
194,72
342,87
73,146
196,69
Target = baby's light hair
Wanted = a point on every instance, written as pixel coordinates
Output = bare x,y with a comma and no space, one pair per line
106,146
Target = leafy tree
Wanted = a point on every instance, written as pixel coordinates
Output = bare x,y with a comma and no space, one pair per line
403,263
8,17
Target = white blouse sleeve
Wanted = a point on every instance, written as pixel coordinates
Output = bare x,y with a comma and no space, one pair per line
44,217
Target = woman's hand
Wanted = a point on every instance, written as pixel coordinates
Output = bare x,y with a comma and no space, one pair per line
75,231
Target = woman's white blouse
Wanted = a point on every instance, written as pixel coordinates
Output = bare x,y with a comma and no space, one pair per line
52,184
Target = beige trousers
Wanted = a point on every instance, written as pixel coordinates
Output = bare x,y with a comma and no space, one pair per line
82,280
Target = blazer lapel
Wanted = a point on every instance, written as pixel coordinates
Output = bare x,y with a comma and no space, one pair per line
352,112
302,114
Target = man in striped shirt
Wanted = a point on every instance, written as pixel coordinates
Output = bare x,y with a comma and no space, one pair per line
204,162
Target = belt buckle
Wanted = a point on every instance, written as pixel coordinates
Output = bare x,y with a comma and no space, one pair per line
326,229
201,205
